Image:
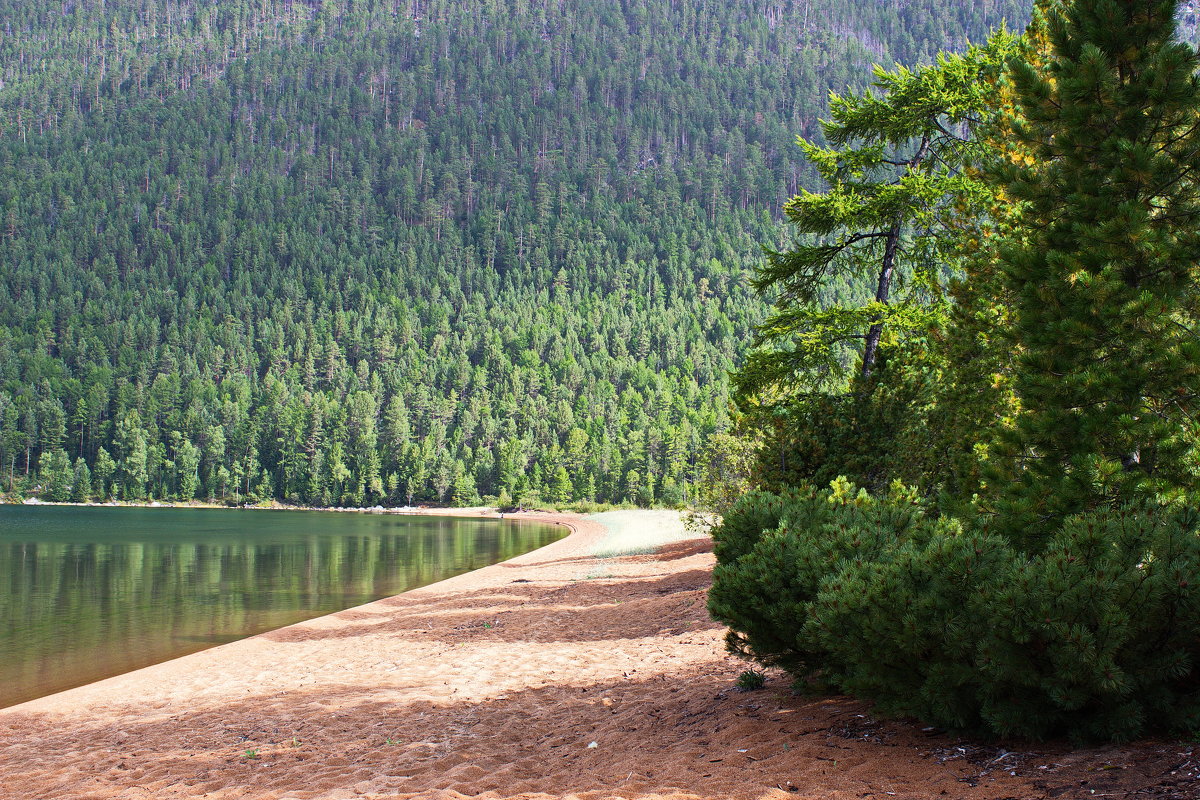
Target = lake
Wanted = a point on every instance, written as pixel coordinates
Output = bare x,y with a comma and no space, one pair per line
86,593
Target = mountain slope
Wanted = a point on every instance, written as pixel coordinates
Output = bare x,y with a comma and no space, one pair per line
356,253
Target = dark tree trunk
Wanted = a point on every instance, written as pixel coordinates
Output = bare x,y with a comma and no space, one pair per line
887,268
883,290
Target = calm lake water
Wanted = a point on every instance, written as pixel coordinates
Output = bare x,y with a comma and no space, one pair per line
86,593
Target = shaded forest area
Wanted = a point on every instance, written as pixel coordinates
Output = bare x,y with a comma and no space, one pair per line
356,252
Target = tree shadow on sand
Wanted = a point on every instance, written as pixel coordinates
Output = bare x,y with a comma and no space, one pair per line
688,736
584,610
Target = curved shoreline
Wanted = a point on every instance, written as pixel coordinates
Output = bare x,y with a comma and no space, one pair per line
582,533
275,505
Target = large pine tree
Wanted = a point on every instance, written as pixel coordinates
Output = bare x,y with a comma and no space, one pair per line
874,237
1102,275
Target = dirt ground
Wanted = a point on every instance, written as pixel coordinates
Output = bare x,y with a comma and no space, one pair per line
560,674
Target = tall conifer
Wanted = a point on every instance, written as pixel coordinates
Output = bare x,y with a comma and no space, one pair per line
1102,272
893,166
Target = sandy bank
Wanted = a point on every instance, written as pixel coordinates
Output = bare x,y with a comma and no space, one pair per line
561,673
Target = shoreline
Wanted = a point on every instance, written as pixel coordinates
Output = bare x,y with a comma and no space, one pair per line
480,511
563,526
561,673
273,505
582,533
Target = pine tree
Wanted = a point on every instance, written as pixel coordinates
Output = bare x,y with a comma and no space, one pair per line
54,468
560,487
130,441
463,491
187,461
104,471
1102,273
81,482
893,165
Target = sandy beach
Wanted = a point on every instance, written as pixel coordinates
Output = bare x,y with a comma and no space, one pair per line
586,669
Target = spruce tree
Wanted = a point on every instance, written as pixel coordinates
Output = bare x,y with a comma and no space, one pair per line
1102,270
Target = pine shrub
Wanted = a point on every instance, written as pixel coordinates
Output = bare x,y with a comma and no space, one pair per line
1095,637
751,517
773,551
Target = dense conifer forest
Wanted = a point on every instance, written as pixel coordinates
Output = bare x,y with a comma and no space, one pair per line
352,252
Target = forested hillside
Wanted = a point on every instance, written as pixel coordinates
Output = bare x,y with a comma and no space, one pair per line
357,252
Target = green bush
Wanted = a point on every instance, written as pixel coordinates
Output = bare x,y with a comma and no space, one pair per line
1096,637
750,518
768,570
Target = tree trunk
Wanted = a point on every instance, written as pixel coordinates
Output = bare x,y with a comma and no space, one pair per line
883,287
883,290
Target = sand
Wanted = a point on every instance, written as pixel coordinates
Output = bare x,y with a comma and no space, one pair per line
586,669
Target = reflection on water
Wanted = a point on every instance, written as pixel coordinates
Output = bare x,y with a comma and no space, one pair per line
86,593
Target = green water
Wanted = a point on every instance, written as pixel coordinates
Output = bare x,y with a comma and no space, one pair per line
86,593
